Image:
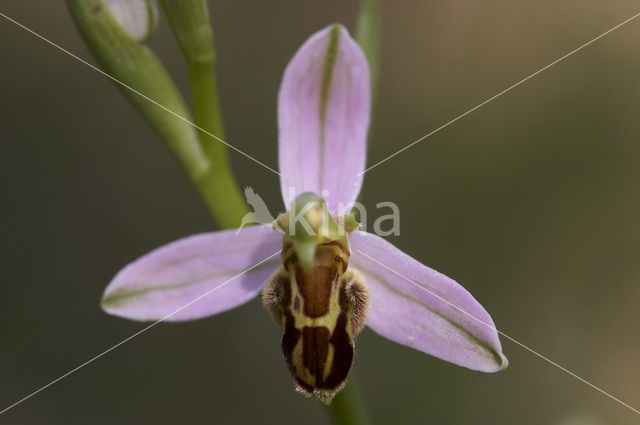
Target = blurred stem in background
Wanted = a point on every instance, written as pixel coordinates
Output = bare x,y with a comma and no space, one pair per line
368,34
115,31
347,408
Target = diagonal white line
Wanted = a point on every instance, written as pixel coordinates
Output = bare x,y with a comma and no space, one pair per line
95,68
276,253
501,93
501,333
94,358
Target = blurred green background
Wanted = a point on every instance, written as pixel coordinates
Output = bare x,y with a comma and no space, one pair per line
531,203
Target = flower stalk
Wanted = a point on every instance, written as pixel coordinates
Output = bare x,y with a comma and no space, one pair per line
146,84
192,28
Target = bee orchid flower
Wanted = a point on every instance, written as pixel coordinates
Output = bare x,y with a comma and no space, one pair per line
330,279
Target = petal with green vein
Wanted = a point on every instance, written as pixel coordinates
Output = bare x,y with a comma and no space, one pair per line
323,118
416,306
228,265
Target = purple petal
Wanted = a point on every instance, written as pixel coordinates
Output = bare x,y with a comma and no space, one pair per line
405,309
167,279
323,117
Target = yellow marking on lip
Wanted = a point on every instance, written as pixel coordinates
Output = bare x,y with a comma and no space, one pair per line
329,363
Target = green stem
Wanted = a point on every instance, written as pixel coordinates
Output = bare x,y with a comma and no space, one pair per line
347,408
225,193
191,26
145,82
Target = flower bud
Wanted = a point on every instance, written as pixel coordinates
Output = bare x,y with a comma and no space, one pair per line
139,18
141,76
